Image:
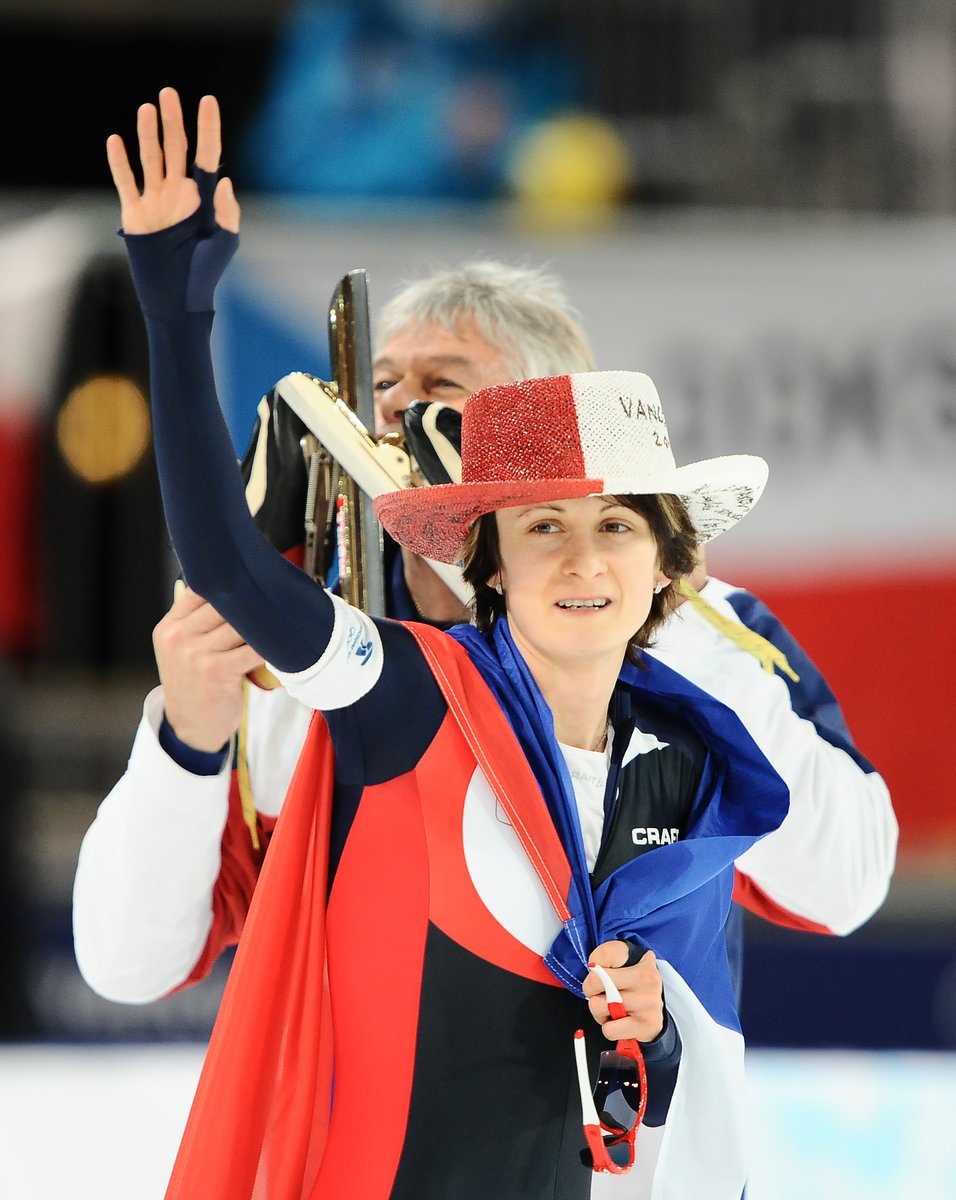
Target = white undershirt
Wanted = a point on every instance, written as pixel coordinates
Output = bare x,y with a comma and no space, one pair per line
588,770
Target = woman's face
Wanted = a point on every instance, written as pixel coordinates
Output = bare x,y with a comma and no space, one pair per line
578,577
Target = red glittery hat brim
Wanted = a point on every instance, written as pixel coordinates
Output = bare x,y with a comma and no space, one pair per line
434,521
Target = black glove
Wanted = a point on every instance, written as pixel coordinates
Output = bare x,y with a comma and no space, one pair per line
433,439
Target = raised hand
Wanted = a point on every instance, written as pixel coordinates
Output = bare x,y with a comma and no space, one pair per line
169,192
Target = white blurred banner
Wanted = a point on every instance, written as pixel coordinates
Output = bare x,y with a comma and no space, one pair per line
828,346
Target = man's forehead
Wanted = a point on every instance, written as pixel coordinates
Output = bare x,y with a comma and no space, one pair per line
391,359
433,344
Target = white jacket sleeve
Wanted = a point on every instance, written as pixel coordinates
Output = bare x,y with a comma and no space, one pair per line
831,861
148,864
142,902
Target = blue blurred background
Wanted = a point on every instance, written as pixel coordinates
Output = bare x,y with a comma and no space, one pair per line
753,201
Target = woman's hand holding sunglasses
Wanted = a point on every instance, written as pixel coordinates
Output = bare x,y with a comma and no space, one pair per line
641,989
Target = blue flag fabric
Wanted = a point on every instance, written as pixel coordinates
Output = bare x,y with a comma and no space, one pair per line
675,898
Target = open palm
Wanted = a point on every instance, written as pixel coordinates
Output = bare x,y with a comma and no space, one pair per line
169,193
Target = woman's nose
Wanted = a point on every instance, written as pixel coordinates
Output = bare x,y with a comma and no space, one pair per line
583,557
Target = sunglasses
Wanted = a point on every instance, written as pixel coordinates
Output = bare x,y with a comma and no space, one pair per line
614,1108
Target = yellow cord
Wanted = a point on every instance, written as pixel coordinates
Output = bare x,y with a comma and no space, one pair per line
766,653
242,771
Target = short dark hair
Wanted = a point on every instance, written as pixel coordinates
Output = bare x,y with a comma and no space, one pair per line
673,532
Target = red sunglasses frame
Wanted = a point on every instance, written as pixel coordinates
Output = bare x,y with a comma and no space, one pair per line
598,1135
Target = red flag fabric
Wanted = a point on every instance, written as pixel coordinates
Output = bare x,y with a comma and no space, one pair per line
269,1060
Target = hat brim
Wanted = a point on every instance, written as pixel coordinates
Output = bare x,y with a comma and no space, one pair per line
434,521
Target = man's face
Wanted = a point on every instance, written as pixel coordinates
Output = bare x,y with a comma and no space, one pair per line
427,362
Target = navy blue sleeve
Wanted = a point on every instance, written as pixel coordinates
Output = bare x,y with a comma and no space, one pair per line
197,762
274,606
662,1060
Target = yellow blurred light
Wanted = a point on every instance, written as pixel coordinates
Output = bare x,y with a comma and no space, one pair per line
103,428
570,168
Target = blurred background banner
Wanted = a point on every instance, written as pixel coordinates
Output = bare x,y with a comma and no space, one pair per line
754,202
40,259
827,347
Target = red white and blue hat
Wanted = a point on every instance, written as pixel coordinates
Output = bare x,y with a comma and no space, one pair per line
600,433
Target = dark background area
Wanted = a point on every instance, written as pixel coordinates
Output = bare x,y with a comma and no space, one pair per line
95,72
835,104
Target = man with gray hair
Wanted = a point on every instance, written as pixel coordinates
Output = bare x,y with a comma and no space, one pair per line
167,870
444,336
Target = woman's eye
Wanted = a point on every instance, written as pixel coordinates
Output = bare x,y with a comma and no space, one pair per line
382,385
615,527
544,527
